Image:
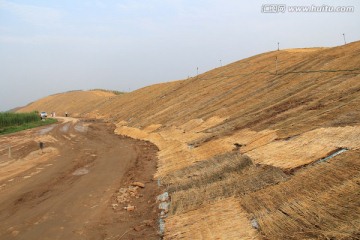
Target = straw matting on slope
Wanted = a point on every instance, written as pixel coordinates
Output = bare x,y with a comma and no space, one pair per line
152,128
224,219
205,171
318,202
227,184
263,147
307,148
198,125
173,143
312,89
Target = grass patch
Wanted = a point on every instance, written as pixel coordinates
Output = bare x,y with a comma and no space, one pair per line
24,126
8,119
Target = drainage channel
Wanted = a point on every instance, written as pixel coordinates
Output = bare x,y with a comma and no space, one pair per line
331,155
337,152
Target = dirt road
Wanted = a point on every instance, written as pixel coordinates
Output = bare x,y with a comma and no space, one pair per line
78,186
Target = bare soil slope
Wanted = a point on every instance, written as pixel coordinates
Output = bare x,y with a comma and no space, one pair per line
277,148
73,102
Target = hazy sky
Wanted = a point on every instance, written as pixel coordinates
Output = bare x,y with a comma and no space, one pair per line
49,46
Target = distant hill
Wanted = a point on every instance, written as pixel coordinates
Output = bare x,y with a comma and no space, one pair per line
14,109
74,103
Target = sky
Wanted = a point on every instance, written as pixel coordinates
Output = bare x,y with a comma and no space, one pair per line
49,46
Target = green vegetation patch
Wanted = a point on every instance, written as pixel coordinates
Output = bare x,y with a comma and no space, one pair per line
11,119
14,122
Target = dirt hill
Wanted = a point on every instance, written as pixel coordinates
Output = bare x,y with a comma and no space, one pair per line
73,102
255,149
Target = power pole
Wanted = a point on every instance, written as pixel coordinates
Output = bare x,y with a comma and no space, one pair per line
278,46
344,39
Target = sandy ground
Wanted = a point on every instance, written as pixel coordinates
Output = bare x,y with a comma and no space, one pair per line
69,190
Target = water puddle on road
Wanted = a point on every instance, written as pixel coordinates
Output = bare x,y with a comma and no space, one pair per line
65,128
81,128
80,171
46,130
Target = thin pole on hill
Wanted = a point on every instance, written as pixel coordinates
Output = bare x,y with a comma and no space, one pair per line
344,39
197,72
220,63
278,46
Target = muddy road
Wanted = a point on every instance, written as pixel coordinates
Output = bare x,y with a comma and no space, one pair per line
79,186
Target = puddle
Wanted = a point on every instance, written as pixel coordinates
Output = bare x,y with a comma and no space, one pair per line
65,128
80,171
46,130
81,128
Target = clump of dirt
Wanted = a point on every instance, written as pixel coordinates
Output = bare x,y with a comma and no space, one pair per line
125,194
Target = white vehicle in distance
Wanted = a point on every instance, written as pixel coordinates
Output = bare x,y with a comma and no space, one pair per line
43,115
